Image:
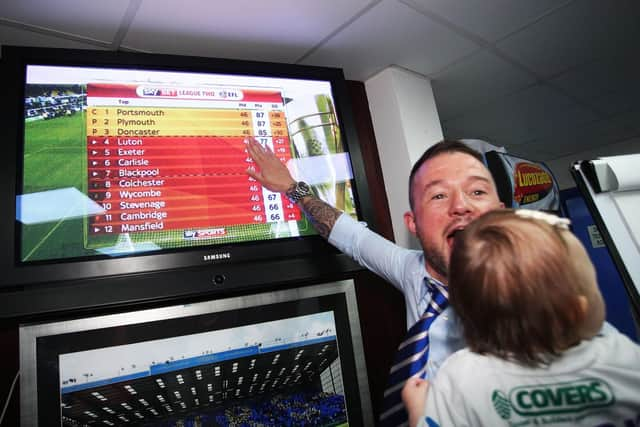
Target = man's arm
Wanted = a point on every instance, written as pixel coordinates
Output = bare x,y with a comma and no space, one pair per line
275,176
367,248
322,215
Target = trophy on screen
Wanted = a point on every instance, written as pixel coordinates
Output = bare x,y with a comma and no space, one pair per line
316,138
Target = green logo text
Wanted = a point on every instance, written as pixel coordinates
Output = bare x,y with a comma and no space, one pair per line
574,396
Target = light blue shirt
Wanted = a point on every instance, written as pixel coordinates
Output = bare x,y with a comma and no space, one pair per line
405,269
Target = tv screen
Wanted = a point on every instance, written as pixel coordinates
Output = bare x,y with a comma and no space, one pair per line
131,163
123,161
291,357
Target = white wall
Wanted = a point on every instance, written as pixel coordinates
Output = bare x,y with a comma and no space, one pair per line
406,123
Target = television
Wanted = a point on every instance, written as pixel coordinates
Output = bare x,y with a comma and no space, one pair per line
276,358
124,177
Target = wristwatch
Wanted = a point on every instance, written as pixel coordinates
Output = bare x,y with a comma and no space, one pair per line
298,191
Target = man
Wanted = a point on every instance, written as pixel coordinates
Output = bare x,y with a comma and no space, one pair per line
449,186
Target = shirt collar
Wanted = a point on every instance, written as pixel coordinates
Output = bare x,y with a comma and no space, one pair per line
429,280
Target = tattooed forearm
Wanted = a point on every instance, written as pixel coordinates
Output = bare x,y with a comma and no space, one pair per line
322,215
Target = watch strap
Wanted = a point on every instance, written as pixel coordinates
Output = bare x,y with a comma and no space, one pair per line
298,191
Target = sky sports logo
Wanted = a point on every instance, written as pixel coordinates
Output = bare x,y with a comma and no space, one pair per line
209,233
156,91
553,399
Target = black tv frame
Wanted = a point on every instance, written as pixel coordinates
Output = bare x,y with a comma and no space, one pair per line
85,284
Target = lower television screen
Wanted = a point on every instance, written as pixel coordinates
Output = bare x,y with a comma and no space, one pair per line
291,357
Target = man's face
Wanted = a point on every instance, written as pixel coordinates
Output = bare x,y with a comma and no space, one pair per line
448,192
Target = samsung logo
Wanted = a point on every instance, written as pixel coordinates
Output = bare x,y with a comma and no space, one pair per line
214,257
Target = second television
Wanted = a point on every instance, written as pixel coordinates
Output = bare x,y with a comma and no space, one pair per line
291,357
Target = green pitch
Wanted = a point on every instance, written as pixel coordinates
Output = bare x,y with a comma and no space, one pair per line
55,154
54,157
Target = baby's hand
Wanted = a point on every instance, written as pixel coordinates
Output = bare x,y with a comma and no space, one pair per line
414,396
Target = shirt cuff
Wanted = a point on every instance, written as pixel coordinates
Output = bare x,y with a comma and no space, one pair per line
344,231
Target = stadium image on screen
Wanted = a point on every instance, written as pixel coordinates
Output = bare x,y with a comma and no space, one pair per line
279,373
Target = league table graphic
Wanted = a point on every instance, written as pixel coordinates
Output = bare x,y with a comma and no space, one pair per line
173,158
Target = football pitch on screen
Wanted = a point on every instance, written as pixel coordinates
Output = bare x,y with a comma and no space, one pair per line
55,157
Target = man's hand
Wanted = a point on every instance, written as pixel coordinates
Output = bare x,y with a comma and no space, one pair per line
414,396
270,172
275,176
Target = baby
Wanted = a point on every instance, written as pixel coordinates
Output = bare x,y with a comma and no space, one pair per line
539,352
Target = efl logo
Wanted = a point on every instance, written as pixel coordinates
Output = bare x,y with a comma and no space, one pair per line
230,94
561,398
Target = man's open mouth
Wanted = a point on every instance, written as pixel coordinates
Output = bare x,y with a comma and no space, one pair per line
452,235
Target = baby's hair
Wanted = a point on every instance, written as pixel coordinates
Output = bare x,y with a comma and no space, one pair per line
514,287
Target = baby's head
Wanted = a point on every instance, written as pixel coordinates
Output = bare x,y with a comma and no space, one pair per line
523,286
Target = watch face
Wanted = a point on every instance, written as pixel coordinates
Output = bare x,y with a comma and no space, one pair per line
303,188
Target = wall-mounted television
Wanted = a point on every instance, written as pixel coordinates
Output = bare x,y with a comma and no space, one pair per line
279,358
123,176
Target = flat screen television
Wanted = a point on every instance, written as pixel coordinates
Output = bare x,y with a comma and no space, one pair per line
282,358
124,176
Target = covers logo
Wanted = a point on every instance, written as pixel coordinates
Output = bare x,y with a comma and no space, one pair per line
501,404
531,183
559,398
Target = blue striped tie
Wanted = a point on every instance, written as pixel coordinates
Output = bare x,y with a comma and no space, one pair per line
411,358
